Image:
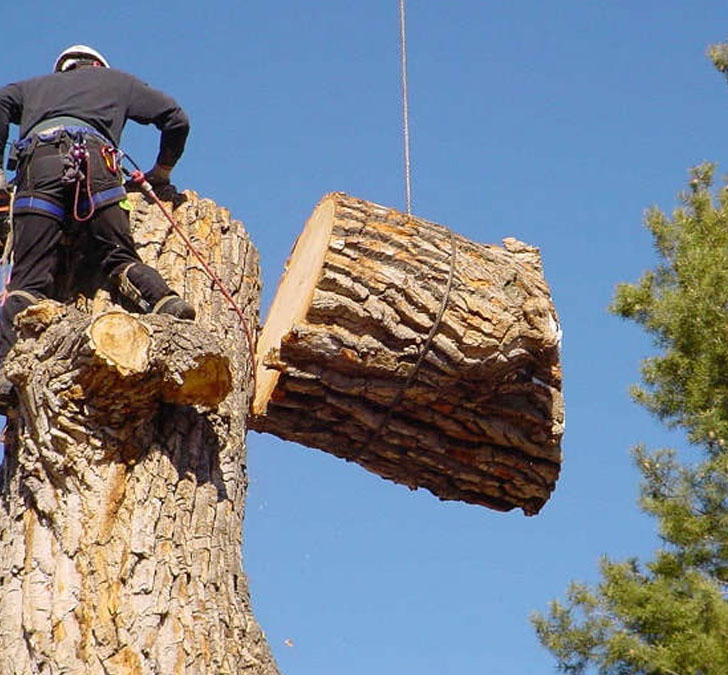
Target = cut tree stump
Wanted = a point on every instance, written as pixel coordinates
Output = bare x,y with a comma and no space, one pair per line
426,358
122,489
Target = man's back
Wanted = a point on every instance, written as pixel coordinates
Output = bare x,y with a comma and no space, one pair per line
105,98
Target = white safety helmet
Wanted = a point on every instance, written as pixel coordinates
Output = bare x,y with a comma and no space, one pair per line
70,57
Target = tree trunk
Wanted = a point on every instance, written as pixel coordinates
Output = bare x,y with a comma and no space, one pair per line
124,479
429,359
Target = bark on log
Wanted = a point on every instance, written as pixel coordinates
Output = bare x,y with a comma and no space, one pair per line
121,504
479,420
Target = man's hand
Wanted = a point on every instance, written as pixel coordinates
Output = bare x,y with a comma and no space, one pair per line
159,175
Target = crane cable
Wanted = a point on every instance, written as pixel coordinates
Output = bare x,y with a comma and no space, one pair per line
409,380
405,109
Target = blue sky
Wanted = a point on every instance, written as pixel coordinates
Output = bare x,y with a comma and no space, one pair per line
558,123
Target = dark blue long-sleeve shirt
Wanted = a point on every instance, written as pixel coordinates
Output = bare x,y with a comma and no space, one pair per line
105,98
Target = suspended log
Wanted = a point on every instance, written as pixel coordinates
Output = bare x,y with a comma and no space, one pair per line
426,358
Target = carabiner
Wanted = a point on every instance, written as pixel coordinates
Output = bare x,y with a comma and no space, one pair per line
108,152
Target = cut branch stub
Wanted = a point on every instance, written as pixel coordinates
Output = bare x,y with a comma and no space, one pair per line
122,361
191,370
427,358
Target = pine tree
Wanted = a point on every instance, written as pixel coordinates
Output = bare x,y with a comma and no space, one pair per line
669,615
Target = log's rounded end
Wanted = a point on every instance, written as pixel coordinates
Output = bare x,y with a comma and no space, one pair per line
122,341
294,295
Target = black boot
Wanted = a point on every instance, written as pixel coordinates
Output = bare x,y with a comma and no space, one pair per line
175,306
144,286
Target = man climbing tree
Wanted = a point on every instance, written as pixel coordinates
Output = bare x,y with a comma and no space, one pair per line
670,615
68,169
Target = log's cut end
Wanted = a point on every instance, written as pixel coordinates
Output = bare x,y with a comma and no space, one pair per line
122,341
426,358
293,297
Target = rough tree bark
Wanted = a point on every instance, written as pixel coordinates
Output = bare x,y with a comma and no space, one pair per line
121,502
427,358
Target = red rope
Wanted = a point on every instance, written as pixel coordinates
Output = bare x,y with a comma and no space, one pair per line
138,177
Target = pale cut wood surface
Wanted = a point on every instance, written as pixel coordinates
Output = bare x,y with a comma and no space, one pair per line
483,418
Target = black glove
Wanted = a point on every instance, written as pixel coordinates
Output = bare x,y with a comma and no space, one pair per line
159,175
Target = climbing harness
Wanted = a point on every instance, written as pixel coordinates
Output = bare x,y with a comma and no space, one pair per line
405,109
420,359
77,171
137,176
